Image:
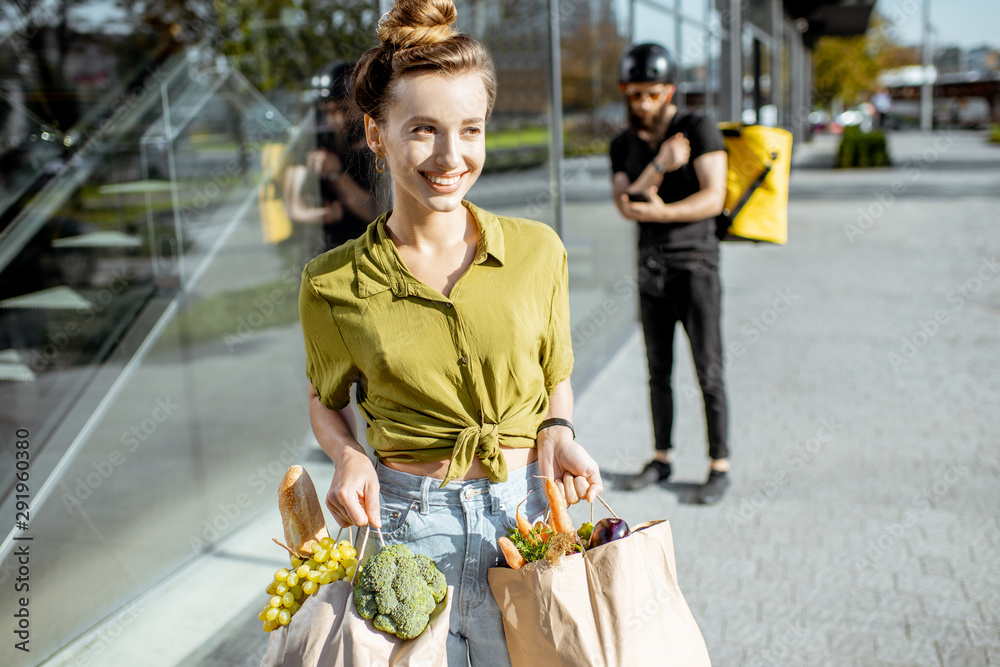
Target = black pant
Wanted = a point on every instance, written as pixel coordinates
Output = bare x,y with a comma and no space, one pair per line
689,293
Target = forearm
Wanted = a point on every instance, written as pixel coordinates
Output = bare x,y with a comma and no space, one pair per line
298,210
561,457
702,204
649,178
561,401
335,430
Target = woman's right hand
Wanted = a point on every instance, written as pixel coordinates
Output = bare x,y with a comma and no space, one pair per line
353,498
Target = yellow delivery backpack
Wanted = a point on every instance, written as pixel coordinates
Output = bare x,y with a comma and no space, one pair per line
756,208
274,221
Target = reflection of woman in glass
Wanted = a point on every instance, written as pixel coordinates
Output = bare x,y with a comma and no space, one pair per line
341,163
455,324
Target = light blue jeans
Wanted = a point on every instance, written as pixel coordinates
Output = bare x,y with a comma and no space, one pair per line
458,527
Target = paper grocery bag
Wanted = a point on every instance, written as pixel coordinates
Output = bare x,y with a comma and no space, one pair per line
328,632
617,605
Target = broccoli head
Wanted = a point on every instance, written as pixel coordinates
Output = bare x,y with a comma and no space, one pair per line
433,576
399,590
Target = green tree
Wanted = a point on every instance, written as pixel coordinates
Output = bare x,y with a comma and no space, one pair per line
281,44
847,68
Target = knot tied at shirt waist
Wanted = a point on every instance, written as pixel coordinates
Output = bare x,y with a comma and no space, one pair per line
480,442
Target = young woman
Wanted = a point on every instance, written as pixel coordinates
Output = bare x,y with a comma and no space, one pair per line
453,322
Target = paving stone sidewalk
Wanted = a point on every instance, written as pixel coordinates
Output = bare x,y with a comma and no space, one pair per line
863,362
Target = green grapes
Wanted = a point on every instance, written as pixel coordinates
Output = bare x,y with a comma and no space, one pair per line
292,586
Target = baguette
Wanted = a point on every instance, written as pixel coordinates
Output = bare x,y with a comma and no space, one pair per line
301,513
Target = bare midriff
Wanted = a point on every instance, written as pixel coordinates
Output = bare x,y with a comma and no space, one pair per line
516,458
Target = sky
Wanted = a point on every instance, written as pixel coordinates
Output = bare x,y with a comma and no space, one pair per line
964,23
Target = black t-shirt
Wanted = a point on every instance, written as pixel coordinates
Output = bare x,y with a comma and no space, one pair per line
630,154
357,163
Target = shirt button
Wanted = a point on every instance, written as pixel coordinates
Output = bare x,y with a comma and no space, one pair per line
464,360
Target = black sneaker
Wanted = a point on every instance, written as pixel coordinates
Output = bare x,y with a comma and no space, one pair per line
655,471
714,488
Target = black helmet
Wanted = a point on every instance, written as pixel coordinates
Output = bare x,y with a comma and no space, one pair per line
646,63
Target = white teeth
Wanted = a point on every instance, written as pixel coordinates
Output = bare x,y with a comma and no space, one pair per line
443,181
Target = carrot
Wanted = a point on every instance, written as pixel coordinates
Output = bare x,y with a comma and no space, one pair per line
510,552
523,526
561,522
543,531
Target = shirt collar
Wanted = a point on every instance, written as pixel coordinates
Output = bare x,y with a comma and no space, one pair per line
379,269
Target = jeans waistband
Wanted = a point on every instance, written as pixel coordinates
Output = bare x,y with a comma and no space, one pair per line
427,491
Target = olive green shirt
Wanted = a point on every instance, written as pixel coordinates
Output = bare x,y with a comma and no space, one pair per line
442,377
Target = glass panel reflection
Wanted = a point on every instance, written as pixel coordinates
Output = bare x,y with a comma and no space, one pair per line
654,25
598,241
694,66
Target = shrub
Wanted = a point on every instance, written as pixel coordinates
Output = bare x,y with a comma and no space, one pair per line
862,149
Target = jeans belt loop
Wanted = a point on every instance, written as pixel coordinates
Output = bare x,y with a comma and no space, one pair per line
425,486
496,506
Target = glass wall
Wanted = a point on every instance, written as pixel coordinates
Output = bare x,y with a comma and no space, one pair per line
150,352
599,242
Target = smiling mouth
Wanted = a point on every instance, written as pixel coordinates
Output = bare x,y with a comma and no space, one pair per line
442,180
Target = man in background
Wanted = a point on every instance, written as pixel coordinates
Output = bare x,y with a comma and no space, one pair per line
334,184
670,176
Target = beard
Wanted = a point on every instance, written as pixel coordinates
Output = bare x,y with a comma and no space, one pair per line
653,125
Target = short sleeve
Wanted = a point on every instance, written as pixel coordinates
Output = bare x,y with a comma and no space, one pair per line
618,154
557,348
705,137
328,363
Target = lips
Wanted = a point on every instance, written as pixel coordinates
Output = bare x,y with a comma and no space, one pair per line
444,184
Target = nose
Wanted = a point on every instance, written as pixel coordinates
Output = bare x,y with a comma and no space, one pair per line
645,103
448,154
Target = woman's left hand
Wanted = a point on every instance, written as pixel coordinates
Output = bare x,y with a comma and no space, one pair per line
565,461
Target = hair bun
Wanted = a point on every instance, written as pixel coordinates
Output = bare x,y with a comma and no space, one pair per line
417,23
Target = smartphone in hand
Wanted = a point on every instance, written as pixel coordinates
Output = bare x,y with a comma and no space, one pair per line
637,196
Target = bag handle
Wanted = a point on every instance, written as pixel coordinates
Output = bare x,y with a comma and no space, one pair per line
364,543
606,506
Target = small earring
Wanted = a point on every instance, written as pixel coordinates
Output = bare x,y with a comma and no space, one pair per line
379,163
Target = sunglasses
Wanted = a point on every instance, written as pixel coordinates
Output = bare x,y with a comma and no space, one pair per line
652,95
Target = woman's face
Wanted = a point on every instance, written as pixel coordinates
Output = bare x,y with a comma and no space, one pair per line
433,138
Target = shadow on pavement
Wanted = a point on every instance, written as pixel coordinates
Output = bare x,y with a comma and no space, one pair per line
687,492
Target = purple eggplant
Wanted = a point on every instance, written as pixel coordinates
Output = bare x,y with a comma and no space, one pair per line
608,530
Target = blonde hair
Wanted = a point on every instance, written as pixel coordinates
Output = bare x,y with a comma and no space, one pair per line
416,37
